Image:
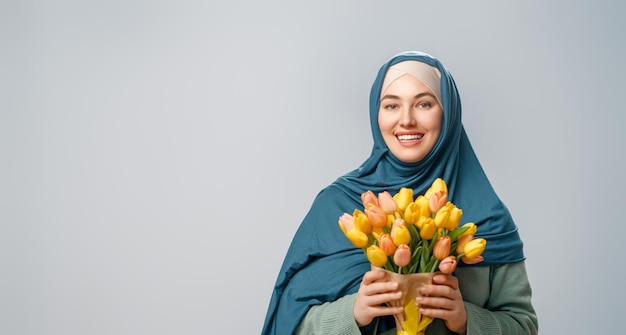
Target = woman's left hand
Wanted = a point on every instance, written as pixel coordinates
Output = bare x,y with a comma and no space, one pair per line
443,300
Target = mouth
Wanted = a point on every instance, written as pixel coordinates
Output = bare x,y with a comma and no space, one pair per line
409,138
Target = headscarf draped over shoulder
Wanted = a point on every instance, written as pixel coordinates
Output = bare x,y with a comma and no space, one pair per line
321,265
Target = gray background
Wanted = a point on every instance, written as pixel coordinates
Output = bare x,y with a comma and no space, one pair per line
157,156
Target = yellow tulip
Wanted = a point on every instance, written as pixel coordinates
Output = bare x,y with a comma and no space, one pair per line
403,198
400,233
376,232
441,218
369,198
441,249
347,226
376,216
361,221
428,228
475,248
376,256
471,229
390,220
437,185
386,202
422,203
402,256
357,237
412,213
455,217
386,244
420,222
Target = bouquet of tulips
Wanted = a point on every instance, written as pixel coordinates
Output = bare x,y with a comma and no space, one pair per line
412,237
405,235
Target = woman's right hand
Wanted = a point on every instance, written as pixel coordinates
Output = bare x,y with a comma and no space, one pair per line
372,296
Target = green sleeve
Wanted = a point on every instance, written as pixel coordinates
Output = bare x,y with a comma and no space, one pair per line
508,309
335,317
497,301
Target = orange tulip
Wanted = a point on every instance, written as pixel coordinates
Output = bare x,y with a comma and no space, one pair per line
369,198
400,233
376,216
437,201
462,241
386,244
346,222
402,256
376,256
448,265
441,249
474,260
386,202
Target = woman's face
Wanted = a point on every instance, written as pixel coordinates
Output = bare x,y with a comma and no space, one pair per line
409,118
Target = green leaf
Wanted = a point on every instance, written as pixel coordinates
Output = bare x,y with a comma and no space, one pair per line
432,264
457,231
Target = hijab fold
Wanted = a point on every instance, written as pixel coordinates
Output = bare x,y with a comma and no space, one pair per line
322,266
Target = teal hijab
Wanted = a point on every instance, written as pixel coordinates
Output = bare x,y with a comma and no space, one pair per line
321,265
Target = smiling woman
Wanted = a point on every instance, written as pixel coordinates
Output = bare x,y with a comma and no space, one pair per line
415,117
410,113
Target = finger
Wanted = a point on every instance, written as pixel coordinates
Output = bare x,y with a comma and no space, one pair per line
435,303
380,299
372,276
448,280
385,310
437,290
443,314
380,287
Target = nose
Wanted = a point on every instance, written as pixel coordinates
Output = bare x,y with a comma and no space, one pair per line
407,118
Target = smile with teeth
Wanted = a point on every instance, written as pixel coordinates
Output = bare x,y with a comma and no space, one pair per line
407,138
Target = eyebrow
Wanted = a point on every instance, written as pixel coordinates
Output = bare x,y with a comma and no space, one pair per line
391,96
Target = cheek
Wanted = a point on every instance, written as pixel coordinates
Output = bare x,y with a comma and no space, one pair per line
384,123
381,123
434,121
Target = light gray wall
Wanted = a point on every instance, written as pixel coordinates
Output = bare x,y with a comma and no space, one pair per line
157,156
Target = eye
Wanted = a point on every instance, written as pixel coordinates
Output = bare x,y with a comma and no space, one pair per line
390,106
424,105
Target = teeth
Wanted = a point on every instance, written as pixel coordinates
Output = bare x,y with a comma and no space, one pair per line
410,137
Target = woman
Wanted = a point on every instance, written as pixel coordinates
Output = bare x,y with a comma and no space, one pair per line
326,285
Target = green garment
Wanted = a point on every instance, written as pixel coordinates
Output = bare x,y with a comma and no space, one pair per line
497,300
